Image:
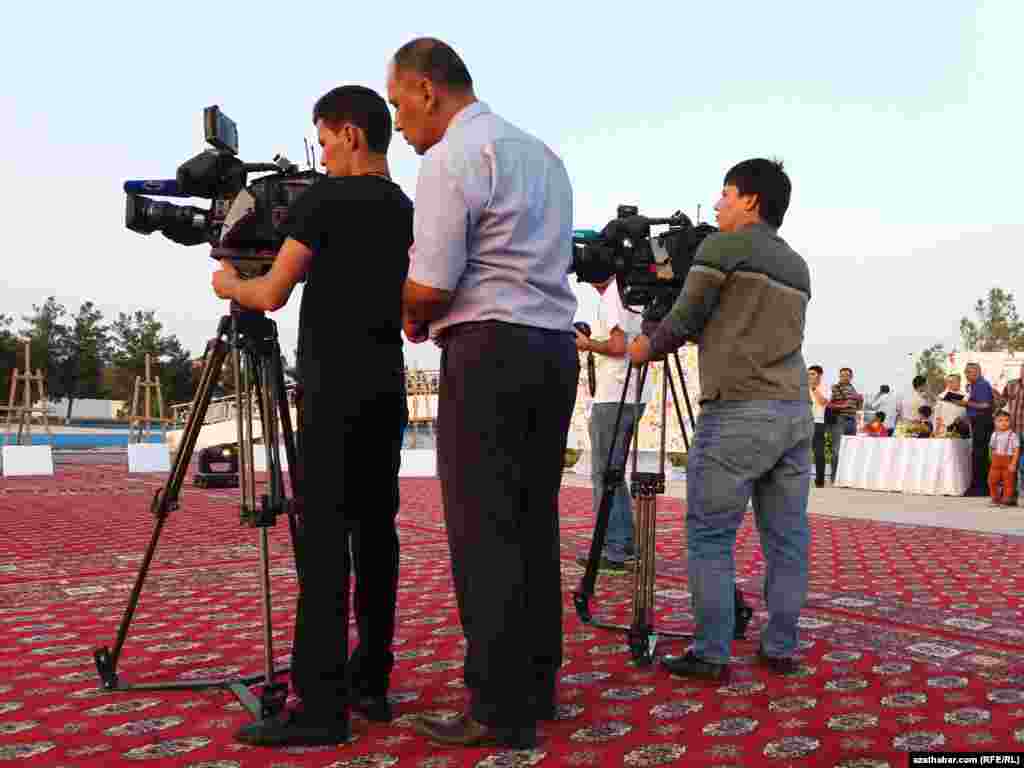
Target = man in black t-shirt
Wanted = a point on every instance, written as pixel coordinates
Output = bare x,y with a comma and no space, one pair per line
349,236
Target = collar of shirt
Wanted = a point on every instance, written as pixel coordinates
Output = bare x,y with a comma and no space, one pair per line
466,114
762,226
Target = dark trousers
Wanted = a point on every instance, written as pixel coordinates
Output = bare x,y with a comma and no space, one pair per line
845,425
507,394
818,448
982,427
351,454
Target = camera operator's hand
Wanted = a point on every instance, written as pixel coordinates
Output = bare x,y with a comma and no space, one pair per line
640,350
417,334
226,280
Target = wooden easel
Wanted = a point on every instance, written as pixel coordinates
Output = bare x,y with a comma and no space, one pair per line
23,413
141,424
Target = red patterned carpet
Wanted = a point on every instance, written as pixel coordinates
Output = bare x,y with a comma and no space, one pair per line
913,639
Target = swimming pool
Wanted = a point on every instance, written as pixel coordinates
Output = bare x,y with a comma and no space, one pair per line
81,440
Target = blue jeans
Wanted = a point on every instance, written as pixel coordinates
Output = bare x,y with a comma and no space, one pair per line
1020,470
619,541
758,448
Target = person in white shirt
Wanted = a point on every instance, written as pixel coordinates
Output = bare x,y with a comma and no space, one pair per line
911,406
819,399
947,412
614,328
889,403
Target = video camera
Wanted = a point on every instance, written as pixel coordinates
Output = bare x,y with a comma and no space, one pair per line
243,221
650,270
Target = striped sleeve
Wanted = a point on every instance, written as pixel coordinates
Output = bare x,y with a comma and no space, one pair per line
698,299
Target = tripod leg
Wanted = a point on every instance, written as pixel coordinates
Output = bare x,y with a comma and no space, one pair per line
291,450
640,632
686,399
165,500
612,477
263,361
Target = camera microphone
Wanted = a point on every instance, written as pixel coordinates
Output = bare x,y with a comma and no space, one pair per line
584,328
165,187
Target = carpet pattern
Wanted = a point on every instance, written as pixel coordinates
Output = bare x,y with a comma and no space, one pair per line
912,639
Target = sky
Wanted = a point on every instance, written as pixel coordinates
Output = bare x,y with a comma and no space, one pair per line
899,125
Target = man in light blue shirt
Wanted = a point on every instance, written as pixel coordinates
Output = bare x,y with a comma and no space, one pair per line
488,281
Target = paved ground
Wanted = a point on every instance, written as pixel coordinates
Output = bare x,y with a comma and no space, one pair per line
940,511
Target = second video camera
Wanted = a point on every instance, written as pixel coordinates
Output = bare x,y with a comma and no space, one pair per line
650,269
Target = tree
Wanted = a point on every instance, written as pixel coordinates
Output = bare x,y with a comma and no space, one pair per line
998,326
931,364
86,352
8,356
136,335
48,335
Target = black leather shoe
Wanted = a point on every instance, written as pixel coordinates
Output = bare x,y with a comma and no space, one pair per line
464,731
375,708
692,666
291,728
782,665
546,711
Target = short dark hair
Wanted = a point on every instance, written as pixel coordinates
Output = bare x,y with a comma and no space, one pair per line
436,60
820,371
884,389
918,381
767,180
925,410
845,368
361,106
880,415
1002,414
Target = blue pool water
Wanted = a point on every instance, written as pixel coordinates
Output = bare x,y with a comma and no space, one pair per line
82,441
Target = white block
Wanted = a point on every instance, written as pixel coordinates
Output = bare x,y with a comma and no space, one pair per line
418,463
149,457
259,458
19,460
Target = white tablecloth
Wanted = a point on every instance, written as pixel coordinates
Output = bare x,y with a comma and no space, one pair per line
931,466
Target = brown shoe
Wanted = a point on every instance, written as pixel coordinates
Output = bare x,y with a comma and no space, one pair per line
781,665
464,731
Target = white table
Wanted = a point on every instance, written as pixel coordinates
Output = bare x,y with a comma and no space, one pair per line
930,466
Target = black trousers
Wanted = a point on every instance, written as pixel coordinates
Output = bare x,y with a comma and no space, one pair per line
818,447
507,394
982,427
351,454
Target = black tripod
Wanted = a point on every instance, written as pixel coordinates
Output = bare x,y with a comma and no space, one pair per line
251,338
644,487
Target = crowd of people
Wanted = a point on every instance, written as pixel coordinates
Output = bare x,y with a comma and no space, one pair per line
992,419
